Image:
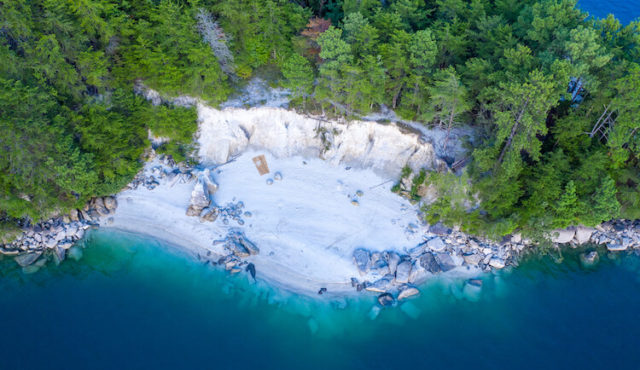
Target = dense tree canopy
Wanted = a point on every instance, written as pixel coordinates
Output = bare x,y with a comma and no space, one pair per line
553,94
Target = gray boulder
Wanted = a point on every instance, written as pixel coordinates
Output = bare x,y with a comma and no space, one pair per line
110,203
436,244
386,300
429,263
445,261
472,259
589,259
393,259
362,259
496,262
407,292
381,285
403,271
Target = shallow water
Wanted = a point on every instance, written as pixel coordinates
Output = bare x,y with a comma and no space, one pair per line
131,302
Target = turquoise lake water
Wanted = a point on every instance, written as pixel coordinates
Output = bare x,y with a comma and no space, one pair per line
133,303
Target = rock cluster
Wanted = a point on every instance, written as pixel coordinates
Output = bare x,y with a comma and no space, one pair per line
618,235
395,274
238,246
166,170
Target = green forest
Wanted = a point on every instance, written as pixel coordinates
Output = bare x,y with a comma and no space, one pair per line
553,94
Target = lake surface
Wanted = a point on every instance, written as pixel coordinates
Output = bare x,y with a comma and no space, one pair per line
133,303
625,10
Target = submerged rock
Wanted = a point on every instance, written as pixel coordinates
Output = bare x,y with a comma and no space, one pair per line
408,291
251,268
589,259
386,300
27,258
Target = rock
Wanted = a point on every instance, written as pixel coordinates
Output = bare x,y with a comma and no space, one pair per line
269,181
110,203
496,262
583,234
393,259
386,300
563,236
209,214
278,176
359,193
209,183
429,263
616,247
445,261
239,250
380,285
436,244
408,291
439,229
472,259
403,271
589,259
199,199
355,202
74,216
248,245
28,258
362,259
59,254
416,251
516,238
252,270
75,253
97,203
472,289
66,219
50,243
322,291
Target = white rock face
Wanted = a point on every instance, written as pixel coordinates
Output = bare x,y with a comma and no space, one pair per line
224,134
563,235
583,234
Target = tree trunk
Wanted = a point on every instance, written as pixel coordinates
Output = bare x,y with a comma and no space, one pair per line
514,129
449,126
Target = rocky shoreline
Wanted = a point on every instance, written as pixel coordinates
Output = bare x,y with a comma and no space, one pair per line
393,275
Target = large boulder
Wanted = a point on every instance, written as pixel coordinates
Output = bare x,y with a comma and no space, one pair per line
209,183
589,259
472,259
362,259
381,285
27,258
616,247
407,291
403,271
445,261
110,203
199,199
497,262
386,300
429,263
583,234
393,259
436,244
563,236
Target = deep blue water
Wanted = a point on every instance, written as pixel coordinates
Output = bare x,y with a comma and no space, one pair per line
132,303
625,10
